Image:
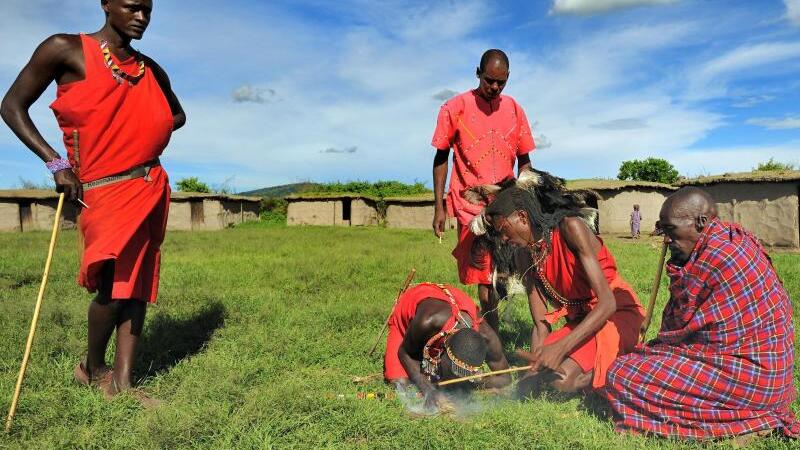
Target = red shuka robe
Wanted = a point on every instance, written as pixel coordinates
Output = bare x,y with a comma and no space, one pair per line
405,310
119,126
618,335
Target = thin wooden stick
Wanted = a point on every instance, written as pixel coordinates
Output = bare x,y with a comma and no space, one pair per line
35,318
483,375
653,294
386,322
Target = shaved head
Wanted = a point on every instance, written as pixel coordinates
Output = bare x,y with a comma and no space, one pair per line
493,55
682,220
692,201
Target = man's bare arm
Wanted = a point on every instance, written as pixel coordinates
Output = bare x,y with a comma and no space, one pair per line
439,178
523,162
178,115
55,59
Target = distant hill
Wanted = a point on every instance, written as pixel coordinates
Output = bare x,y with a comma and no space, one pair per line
282,190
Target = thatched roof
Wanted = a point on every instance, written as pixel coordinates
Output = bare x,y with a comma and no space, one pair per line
28,194
327,196
745,177
419,198
179,195
43,194
598,184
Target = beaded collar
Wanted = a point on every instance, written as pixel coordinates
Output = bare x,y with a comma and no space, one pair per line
116,72
540,250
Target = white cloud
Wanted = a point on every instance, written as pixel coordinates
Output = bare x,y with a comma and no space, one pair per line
752,100
772,123
364,105
793,11
588,7
709,79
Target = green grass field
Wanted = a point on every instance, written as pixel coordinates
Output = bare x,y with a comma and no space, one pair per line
256,328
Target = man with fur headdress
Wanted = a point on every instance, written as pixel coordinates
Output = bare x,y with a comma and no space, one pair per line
563,263
488,133
435,334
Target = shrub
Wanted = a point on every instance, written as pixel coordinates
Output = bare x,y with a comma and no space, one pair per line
774,166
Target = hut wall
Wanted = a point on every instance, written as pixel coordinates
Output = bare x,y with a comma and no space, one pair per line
616,207
213,216
363,213
237,211
312,212
43,212
413,215
769,210
9,216
180,216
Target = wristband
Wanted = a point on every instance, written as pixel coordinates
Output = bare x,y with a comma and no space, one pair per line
58,164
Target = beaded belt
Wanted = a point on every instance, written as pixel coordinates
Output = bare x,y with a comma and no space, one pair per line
141,171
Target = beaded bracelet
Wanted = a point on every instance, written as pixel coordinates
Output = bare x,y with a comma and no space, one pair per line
58,164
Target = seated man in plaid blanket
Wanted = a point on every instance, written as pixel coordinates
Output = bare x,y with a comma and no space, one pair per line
722,362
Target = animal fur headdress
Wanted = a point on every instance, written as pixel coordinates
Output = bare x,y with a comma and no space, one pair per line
545,199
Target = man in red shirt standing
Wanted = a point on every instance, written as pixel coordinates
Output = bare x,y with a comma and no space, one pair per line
488,132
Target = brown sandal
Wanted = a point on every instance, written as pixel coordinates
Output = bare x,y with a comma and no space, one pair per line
82,376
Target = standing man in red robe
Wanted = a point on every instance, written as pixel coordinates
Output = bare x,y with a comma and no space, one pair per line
488,132
117,111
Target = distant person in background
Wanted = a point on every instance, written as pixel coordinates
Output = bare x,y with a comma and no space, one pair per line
117,112
488,132
636,222
722,362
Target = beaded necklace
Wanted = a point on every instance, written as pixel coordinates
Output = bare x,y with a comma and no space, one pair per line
539,252
116,72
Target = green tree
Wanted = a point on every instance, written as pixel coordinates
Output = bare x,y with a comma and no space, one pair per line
774,166
650,169
192,184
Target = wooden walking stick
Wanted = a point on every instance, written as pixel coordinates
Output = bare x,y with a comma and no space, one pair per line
35,318
386,322
653,293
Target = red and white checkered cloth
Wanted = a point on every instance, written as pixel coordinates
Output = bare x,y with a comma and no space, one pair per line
722,362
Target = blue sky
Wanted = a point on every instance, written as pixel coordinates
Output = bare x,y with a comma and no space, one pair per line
286,91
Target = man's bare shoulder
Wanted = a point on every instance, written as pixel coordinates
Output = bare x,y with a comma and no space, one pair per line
61,42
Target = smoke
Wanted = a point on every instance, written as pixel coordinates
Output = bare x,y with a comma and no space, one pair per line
465,403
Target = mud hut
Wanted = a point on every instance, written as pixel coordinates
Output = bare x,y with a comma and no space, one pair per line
33,209
412,212
199,211
331,209
614,200
765,203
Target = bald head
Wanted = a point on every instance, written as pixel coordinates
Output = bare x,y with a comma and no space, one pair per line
691,201
682,220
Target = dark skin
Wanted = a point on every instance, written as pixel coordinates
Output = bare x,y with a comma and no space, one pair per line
518,230
60,58
682,219
430,317
492,81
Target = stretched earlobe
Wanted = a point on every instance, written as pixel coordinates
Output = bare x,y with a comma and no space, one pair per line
700,222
